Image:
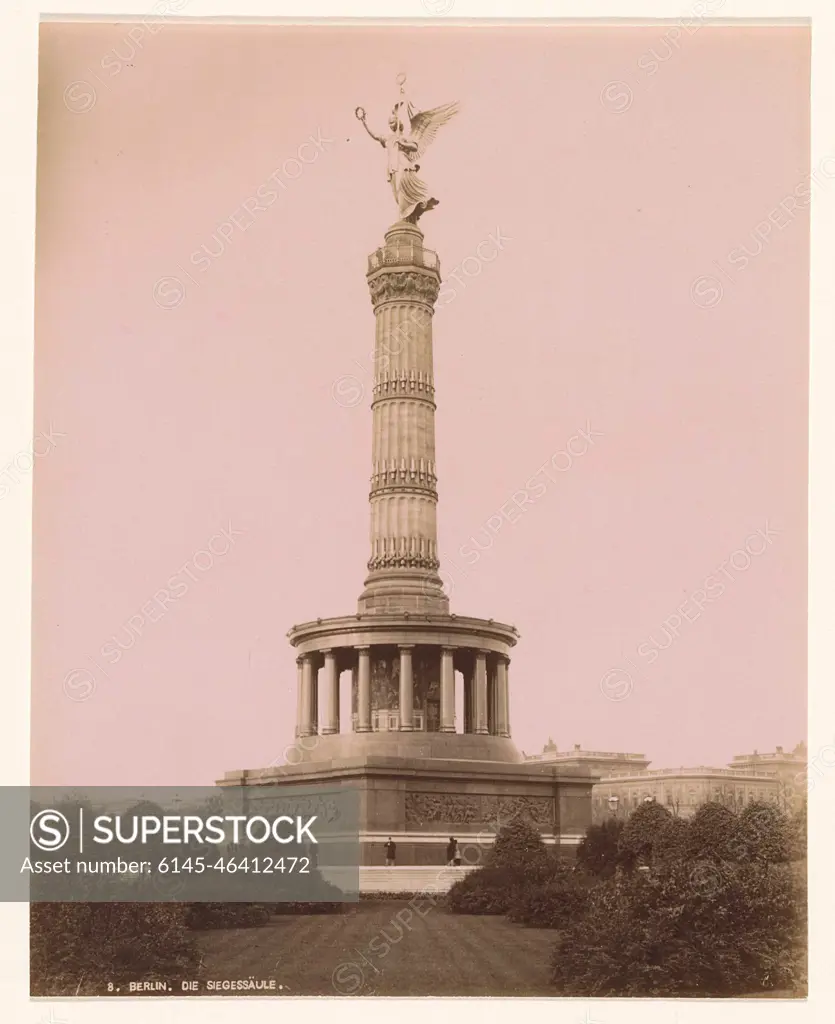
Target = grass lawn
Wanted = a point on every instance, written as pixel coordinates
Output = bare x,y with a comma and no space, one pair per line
368,952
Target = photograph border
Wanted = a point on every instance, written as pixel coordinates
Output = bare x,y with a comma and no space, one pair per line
19,42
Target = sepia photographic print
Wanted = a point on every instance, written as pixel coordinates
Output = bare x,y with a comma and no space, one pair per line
421,434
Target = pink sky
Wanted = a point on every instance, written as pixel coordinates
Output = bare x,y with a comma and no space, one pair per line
621,219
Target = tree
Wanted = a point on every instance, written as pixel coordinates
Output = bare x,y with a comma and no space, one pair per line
599,853
665,933
797,833
671,842
762,834
642,827
517,860
518,844
711,832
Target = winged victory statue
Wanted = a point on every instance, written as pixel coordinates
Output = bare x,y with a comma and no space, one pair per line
412,132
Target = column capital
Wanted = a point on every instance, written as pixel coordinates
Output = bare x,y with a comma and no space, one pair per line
406,647
326,651
448,649
362,649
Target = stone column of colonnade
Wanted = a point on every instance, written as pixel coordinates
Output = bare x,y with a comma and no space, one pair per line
403,279
331,721
486,692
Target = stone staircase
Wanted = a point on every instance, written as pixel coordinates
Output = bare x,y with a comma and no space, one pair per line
434,878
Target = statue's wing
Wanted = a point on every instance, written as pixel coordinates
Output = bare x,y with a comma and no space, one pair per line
425,124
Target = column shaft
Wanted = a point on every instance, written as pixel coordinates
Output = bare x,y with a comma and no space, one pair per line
309,680
447,690
331,722
299,697
492,691
403,279
406,691
364,690
481,692
503,722
468,699
314,692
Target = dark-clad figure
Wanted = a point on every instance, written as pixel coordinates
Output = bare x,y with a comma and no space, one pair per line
451,851
391,851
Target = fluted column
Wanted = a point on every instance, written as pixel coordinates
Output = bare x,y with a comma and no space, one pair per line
309,681
407,702
491,696
481,692
403,279
469,698
314,693
300,719
331,721
447,690
364,690
502,683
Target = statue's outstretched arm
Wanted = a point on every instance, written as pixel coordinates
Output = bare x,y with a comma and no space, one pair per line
361,117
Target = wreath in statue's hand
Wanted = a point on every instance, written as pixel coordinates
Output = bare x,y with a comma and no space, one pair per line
360,113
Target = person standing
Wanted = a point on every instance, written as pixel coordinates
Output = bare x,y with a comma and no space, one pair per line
391,852
451,851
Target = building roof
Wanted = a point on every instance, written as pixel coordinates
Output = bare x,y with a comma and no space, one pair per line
700,771
552,754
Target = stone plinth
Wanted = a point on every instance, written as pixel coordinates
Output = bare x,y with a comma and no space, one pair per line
421,802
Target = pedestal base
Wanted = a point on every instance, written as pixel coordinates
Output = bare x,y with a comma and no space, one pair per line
421,802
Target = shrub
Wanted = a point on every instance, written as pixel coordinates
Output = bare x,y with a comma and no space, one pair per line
553,903
712,829
671,842
382,896
77,948
599,852
517,859
517,843
640,831
667,933
313,907
797,834
489,890
763,834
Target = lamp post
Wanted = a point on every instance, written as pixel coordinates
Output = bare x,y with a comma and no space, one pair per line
613,802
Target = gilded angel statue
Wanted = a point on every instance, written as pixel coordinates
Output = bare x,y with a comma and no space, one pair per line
412,131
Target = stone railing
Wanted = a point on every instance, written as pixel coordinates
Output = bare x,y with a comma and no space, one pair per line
718,773
568,755
759,758
403,256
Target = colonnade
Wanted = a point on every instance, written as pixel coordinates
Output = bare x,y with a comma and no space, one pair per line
486,690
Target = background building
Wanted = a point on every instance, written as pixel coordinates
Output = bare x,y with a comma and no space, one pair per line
600,762
789,769
777,777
